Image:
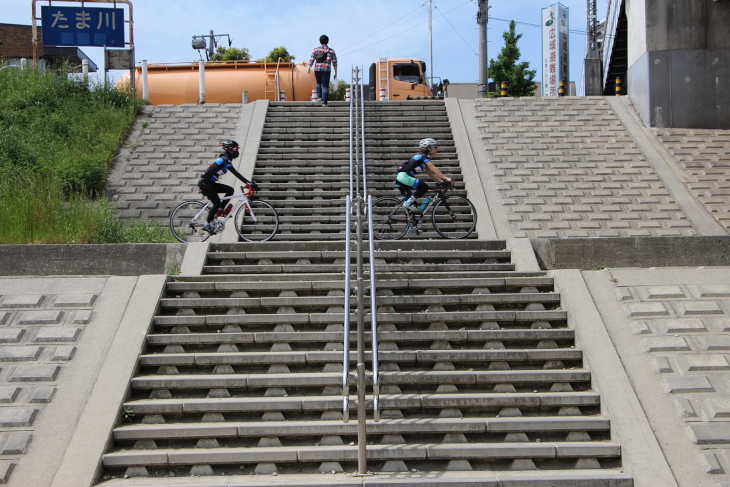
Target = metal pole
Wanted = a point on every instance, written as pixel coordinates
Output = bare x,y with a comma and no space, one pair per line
346,344
201,68
482,18
357,140
132,72
362,130
145,86
362,462
430,46
211,49
352,135
373,314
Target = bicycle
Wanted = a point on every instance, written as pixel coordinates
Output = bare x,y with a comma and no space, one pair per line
255,220
452,216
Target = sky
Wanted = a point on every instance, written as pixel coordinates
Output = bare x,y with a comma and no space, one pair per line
359,30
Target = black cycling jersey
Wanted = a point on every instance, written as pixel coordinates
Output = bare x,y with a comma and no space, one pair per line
415,164
221,166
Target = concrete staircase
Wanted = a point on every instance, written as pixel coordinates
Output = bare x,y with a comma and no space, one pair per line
304,156
479,372
241,381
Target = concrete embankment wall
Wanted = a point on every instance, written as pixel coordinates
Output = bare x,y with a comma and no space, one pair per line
90,260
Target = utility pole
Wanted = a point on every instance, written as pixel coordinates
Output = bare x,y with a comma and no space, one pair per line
592,34
482,18
592,64
430,45
211,47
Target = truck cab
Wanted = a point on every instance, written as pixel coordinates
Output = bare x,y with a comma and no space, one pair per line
398,79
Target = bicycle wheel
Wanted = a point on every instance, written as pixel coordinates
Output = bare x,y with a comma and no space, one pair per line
261,230
184,224
390,219
454,217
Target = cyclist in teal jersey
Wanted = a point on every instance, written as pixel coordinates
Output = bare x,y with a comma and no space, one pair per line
407,181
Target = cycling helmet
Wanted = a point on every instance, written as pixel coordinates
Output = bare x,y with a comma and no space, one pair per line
427,143
231,148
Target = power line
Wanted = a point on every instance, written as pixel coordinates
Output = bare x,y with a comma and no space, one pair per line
442,14
457,32
367,37
572,31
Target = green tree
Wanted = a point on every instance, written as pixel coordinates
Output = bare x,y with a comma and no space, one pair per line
507,68
279,52
231,54
337,93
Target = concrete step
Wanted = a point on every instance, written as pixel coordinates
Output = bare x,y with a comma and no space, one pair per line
554,477
462,318
484,402
305,302
470,426
300,383
292,268
463,338
344,453
495,284
381,254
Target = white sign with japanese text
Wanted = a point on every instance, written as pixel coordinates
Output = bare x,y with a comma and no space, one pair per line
555,65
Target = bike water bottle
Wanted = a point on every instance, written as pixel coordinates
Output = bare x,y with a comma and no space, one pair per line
228,209
425,203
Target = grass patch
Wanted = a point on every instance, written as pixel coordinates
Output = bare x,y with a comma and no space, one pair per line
58,139
36,210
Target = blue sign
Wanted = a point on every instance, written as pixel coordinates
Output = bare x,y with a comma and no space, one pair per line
82,26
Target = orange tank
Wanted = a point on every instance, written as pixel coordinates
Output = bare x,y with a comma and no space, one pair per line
225,82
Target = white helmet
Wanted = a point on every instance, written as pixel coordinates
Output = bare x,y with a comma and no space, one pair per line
426,143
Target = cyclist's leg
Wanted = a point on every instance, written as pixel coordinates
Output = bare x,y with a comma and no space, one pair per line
210,190
406,183
420,188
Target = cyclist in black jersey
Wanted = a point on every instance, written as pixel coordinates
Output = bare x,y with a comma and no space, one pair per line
208,182
406,180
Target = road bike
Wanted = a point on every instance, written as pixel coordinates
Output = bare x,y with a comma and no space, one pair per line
452,216
255,220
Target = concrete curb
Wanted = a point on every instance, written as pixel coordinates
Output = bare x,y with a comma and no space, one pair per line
523,255
465,152
194,260
639,448
497,212
82,461
249,128
670,175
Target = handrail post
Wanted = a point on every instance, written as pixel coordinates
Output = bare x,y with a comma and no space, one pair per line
362,115
373,314
346,345
352,79
361,406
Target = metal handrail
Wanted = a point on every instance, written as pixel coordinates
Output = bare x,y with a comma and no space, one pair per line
362,206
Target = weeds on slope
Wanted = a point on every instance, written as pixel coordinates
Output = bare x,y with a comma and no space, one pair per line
36,210
58,138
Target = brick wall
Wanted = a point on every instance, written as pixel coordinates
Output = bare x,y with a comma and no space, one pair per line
16,41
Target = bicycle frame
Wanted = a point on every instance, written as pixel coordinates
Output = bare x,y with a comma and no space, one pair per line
244,199
439,193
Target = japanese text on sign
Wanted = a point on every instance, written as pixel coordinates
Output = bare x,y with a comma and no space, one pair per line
555,67
85,26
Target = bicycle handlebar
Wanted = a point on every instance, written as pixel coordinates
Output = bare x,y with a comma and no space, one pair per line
250,188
